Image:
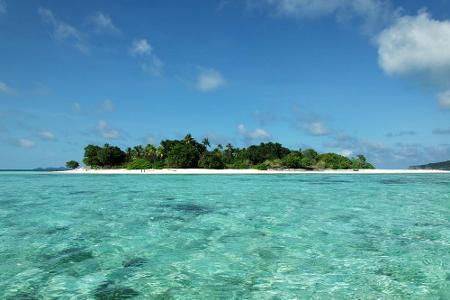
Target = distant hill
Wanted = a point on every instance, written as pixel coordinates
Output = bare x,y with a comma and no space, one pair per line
445,165
50,169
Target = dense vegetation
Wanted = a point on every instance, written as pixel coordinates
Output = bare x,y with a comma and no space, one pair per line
188,153
445,165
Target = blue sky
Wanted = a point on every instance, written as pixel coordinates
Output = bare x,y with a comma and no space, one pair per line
348,76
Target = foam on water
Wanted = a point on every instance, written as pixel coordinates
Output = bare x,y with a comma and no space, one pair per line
223,237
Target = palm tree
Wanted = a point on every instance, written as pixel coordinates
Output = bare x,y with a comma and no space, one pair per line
129,154
229,147
150,152
188,139
159,152
138,151
205,142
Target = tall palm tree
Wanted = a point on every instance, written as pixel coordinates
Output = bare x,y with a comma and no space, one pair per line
150,152
188,139
206,143
159,152
129,154
138,151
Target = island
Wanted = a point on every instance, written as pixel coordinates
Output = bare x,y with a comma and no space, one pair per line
188,153
444,165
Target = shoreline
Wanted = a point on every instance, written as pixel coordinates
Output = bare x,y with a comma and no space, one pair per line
242,171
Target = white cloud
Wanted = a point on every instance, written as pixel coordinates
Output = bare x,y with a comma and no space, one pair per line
398,155
141,47
256,135
415,44
444,99
5,89
372,13
46,135
104,130
63,32
346,153
154,66
103,24
3,7
217,138
376,152
107,106
26,143
264,117
76,107
418,47
316,128
209,80
310,123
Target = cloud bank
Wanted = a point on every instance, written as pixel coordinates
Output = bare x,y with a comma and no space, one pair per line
103,23
46,135
63,32
418,47
104,130
25,143
256,135
372,14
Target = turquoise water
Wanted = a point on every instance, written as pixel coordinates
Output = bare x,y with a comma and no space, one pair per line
224,237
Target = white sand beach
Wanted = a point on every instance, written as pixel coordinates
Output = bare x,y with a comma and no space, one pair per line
245,171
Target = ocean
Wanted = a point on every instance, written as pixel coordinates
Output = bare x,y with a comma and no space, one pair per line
290,236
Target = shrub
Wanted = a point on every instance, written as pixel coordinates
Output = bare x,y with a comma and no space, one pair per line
139,164
321,165
211,160
261,166
360,162
307,162
293,160
274,164
158,165
335,161
239,165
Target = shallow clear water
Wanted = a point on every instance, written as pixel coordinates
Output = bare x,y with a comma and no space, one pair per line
223,237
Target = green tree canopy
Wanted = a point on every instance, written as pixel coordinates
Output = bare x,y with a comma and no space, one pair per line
292,160
106,156
91,155
182,156
72,164
257,154
211,160
334,161
188,153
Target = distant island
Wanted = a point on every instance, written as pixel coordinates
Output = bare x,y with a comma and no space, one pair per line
50,169
444,165
188,153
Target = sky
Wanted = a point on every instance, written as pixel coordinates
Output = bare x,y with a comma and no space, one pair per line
367,77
